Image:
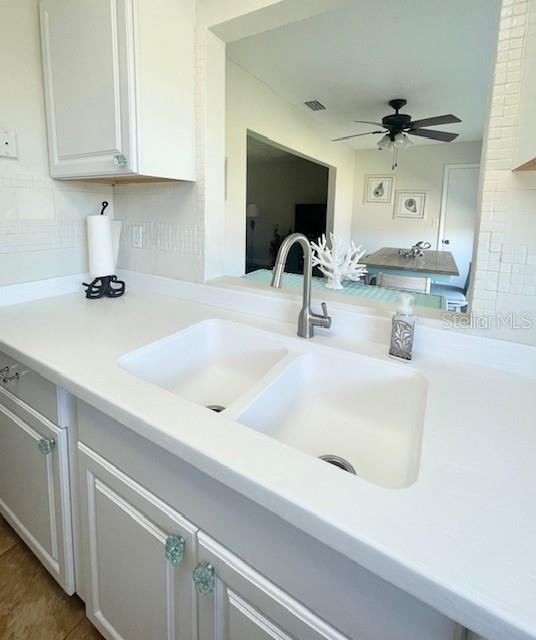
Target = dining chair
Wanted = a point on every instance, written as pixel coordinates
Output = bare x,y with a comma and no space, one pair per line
455,297
406,283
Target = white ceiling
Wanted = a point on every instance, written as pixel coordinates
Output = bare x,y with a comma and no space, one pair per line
438,54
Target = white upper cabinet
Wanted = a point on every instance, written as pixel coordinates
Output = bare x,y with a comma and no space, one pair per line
119,92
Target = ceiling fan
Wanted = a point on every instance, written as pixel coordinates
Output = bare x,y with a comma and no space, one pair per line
397,126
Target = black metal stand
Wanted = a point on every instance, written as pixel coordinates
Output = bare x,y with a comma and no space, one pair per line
107,286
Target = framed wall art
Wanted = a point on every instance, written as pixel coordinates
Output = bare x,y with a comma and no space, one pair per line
378,189
410,204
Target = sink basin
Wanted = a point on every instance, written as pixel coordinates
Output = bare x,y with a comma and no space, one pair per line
321,401
211,363
368,412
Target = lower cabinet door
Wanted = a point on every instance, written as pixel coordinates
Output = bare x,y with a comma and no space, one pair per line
34,486
237,603
138,557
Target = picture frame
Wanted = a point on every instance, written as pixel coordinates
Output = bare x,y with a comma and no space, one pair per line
378,189
410,204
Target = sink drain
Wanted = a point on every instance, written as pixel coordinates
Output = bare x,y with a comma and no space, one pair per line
339,462
217,408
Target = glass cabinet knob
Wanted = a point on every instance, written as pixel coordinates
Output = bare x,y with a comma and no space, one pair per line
46,445
175,549
120,160
203,577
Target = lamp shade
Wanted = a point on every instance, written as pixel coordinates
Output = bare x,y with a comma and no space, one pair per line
385,142
252,211
401,141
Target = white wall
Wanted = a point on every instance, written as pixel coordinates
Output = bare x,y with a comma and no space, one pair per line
276,186
42,222
190,218
420,168
505,278
252,105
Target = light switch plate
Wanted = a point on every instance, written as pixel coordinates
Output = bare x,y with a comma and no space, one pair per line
8,143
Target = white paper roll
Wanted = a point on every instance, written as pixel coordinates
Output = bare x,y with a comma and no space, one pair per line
116,236
100,246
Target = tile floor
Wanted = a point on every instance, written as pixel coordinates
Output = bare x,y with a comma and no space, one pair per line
32,605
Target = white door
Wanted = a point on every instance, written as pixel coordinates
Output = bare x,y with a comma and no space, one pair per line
34,486
87,54
237,603
458,215
138,556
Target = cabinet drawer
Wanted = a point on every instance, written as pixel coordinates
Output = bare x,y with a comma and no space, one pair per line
30,387
34,489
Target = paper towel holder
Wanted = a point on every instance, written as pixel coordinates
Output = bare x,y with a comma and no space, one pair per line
104,286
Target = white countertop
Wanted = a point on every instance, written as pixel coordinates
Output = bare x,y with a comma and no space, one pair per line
462,538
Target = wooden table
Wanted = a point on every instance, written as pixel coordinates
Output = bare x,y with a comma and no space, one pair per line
439,266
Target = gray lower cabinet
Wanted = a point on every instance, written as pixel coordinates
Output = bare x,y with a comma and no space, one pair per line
235,602
256,577
139,555
149,572
34,485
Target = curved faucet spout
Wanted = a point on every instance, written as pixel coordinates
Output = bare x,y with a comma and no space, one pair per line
307,320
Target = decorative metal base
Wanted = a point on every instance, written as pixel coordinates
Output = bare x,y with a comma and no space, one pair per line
108,286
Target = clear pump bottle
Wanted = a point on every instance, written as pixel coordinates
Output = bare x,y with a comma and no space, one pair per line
403,329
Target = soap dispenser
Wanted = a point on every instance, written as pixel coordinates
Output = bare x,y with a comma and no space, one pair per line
403,329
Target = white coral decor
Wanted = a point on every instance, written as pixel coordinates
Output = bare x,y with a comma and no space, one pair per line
335,264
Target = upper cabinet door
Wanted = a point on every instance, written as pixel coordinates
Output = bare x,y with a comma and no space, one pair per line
119,88
87,57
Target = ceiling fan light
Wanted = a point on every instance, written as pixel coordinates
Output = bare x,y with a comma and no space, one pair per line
385,142
401,141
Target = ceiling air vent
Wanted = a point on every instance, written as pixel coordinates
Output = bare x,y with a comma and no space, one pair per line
314,105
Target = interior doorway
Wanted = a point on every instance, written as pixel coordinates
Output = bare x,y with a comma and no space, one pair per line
285,194
458,214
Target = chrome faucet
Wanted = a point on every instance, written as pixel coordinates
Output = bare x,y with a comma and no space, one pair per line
307,320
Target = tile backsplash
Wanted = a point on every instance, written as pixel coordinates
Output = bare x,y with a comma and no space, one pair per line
161,233
505,276
42,226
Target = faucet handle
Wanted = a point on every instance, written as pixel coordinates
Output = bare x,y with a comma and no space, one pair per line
324,320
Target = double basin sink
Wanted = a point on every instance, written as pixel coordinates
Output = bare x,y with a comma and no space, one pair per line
362,413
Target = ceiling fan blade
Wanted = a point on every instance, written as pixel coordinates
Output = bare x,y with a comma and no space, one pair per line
442,136
355,135
430,122
376,124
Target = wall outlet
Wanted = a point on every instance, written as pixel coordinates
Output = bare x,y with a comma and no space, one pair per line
137,236
8,144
